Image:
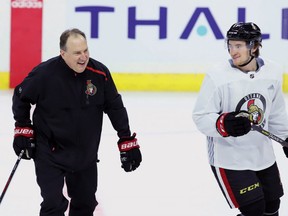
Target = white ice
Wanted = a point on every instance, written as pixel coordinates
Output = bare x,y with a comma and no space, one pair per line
174,178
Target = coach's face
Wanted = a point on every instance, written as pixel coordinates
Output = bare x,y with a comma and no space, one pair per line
76,54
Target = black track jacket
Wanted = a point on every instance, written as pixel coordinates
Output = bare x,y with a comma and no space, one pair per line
68,113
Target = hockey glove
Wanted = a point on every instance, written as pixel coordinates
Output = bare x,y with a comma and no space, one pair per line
229,124
285,149
130,154
24,140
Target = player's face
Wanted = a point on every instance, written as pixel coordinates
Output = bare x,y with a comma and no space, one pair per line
76,54
239,52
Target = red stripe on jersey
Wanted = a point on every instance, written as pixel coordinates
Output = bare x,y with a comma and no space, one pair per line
228,188
98,71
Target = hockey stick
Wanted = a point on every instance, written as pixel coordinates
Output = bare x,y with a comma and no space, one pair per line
262,131
11,175
270,135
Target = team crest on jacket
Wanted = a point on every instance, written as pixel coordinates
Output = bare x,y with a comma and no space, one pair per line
90,88
255,104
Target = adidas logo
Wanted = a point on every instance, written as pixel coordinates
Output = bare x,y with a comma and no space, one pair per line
26,4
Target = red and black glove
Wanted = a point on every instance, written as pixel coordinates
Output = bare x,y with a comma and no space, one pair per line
24,140
130,154
229,124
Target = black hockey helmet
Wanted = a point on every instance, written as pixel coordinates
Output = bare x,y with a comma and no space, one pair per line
244,31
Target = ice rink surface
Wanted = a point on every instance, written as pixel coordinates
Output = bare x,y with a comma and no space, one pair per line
174,178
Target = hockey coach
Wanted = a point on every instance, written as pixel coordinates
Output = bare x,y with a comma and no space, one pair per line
70,93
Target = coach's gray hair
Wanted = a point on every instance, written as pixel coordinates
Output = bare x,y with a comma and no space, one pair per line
66,34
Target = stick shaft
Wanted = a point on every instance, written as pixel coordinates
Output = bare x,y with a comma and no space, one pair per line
270,135
11,175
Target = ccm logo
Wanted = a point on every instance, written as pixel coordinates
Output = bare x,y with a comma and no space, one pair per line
250,188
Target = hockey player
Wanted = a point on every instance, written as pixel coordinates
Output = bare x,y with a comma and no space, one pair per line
241,159
71,92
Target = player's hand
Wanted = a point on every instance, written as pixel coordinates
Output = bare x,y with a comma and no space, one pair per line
130,154
24,140
233,124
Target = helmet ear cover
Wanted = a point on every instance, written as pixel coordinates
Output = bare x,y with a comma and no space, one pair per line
250,44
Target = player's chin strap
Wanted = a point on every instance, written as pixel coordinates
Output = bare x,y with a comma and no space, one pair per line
242,65
251,58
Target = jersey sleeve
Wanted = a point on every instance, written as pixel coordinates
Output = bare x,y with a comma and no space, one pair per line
25,94
278,119
207,108
115,109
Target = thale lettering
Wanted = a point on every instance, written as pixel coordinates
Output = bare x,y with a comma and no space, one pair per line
161,23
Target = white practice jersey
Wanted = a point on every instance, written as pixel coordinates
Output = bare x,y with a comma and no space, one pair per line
227,89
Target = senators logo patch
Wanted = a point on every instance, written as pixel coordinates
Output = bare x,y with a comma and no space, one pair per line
255,104
90,88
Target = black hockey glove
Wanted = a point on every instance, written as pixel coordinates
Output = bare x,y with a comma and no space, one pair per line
130,154
285,149
229,124
24,140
